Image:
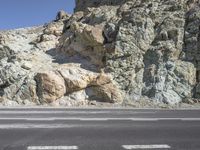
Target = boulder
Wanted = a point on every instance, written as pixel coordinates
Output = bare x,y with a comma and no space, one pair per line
77,79
50,86
101,85
109,93
61,15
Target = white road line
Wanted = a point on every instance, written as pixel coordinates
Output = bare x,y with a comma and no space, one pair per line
163,146
54,112
68,112
81,119
165,119
190,119
93,119
98,119
36,126
52,147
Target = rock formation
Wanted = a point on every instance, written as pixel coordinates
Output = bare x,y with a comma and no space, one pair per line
111,51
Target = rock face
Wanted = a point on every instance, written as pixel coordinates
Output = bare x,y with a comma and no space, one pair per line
107,51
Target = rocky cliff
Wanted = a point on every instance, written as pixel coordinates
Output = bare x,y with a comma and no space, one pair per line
108,51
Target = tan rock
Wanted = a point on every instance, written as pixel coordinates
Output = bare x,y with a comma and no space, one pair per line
112,92
103,79
106,90
94,34
27,65
107,93
51,86
84,40
90,34
55,28
61,15
77,78
186,71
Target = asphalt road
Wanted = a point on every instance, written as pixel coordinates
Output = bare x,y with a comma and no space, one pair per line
99,129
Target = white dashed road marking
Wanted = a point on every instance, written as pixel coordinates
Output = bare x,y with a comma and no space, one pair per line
36,126
52,147
163,146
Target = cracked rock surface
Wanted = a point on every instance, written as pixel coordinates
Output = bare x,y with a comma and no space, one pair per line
107,51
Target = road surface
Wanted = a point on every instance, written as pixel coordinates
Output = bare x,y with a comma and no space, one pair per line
99,129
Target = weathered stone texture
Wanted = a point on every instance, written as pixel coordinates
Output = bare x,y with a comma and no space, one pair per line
145,43
50,86
107,51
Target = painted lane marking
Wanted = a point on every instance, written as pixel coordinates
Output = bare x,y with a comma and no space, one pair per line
70,112
37,126
98,119
52,147
190,119
66,119
93,119
80,119
53,112
163,146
